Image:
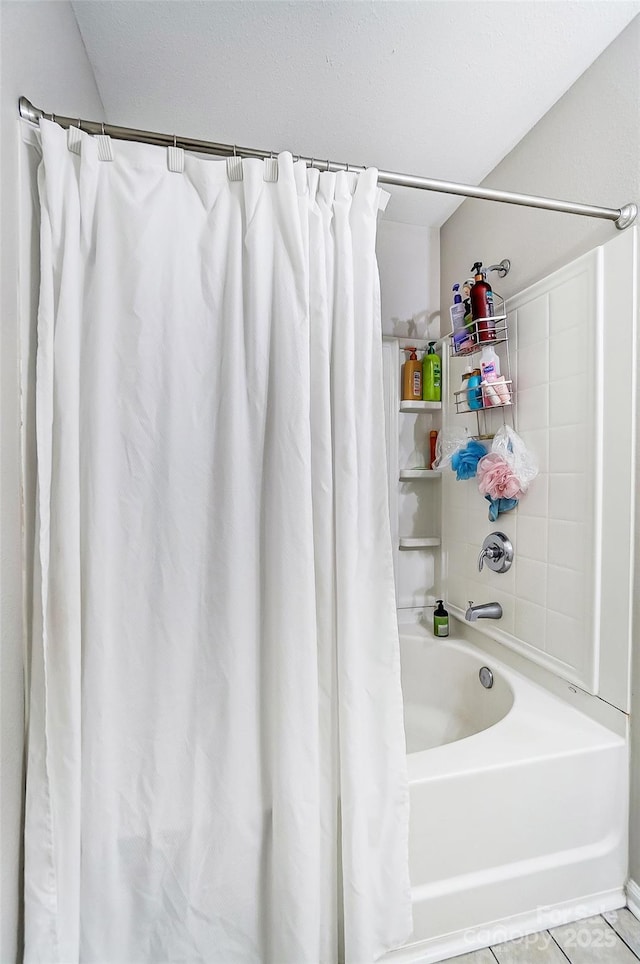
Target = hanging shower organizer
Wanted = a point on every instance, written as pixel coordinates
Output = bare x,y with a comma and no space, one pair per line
493,408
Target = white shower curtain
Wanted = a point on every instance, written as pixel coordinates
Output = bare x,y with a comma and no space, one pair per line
216,764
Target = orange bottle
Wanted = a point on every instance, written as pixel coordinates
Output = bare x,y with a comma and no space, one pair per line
412,378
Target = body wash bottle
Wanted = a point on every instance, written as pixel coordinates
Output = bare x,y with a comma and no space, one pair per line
440,620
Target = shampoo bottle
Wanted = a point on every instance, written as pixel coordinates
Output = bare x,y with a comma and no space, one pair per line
412,378
431,375
482,305
440,620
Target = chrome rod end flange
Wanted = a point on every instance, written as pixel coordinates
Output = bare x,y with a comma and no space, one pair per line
28,112
628,214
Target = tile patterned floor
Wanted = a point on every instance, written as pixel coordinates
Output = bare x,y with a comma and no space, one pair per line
612,938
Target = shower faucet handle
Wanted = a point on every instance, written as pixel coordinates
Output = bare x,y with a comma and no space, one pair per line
497,550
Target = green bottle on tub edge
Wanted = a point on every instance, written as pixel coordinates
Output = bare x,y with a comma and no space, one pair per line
440,620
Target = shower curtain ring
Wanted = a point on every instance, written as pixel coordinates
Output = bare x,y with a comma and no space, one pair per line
234,151
175,143
103,128
79,123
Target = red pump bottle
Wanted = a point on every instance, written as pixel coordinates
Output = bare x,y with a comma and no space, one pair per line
482,310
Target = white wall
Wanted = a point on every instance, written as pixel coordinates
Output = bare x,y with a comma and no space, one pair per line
409,263
43,58
586,149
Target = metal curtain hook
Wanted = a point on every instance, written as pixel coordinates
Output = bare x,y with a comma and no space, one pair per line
79,124
234,151
327,163
103,128
175,143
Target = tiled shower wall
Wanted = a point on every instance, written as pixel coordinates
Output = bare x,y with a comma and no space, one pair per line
551,596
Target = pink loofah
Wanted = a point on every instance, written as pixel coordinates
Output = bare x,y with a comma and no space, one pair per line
497,479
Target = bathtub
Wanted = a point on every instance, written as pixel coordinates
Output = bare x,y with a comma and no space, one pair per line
519,803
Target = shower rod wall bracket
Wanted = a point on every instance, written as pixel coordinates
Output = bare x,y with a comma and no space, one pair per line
503,268
622,217
628,214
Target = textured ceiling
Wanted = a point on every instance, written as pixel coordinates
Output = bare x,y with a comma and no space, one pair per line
441,88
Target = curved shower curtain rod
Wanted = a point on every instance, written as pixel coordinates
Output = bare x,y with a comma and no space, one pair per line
622,217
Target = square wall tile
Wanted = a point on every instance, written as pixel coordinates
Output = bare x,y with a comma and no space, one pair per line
568,497
533,322
531,581
531,539
567,543
566,591
569,354
533,408
530,623
570,449
532,365
568,641
536,501
569,304
569,401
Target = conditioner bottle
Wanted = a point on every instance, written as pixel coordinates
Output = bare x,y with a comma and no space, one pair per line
431,375
412,378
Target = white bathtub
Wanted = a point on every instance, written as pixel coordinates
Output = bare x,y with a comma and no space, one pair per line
518,803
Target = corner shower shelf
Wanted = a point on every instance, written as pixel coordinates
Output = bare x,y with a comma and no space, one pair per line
413,475
420,407
425,542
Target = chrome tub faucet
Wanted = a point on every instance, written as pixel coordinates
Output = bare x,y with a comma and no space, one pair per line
490,610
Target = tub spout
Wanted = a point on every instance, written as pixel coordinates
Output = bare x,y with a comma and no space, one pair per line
490,610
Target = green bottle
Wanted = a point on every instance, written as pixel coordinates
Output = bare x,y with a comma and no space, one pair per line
431,375
440,620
